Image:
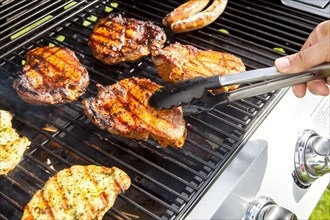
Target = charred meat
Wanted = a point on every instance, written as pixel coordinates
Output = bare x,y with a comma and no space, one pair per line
117,39
51,75
123,109
178,62
12,146
78,192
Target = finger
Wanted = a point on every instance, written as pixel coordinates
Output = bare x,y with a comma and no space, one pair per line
304,59
321,31
299,90
318,87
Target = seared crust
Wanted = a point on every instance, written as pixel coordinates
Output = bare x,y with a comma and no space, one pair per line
117,39
201,19
51,75
184,11
78,192
123,109
178,62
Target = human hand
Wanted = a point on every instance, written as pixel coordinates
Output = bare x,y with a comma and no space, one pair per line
316,50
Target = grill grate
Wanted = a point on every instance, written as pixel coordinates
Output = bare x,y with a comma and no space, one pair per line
166,182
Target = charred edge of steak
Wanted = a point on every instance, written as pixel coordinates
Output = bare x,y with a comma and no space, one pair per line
98,112
67,93
151,37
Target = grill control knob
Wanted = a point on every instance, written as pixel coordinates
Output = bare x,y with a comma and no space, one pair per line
265,208
311,158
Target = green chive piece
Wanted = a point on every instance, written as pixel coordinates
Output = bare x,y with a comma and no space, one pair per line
31,27
114,4
60,38
51,45
108,9
86,23
23,62
92,18
70,5
279,49
224,31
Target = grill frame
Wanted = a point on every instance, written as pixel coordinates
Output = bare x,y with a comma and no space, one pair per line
227,149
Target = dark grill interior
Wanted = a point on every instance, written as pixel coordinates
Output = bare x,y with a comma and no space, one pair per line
166,182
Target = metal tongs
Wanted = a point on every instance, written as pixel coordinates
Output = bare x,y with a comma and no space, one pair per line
195,97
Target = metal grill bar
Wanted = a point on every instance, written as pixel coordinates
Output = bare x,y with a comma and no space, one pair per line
136,155
40,32
209,146
19,22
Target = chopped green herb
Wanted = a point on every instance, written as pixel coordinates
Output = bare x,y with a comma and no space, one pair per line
23,62
70,5
114,4
60,38
92,18
279,49
224,31
108,9
86,23
51,45
31,27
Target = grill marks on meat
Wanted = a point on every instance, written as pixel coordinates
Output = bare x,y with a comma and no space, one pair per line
78,192
123,109
178,62
12,146
51,75
117,39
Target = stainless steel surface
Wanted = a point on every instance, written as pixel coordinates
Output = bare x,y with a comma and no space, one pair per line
264,207
264,168
312,157
228,197
191,90
288,80
266,74
318,7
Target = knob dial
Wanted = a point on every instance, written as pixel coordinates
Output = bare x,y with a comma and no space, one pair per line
265,208
311,158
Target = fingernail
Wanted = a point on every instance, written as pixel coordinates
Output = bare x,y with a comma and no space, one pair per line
283,63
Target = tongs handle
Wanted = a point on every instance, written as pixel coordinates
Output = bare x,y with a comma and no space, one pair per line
208,100
260,75
317,72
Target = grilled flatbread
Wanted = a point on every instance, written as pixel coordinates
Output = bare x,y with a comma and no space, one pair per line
78,192
12,146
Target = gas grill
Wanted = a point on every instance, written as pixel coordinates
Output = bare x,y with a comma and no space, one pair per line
166,182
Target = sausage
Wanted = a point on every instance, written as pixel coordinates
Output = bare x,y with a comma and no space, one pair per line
200,19
185,11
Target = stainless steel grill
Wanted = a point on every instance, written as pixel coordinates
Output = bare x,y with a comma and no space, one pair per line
166,182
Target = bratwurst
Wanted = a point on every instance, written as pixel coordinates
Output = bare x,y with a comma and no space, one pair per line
189,17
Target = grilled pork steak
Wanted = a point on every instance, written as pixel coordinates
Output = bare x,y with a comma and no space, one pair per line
78,192
12,146
51,75
178,62
117,39
123,109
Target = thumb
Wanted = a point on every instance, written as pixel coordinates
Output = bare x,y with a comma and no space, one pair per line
304,59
